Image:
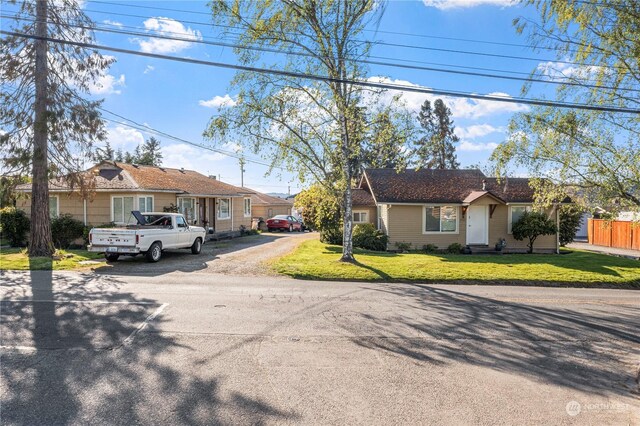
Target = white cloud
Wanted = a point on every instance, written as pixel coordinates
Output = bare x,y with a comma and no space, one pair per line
112,23
218,102
124,138
169,27
564,72
107,84
477,131
461,4
148,69
470,146
460,107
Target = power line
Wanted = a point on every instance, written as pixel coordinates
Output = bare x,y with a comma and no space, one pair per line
363,61
360,83
380,43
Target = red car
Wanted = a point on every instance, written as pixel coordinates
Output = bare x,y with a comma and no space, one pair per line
284,222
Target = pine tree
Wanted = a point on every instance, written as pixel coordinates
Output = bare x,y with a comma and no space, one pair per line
42,110
149,153
119,156
104,154
436,150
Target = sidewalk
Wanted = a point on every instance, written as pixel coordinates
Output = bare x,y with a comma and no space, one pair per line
632,254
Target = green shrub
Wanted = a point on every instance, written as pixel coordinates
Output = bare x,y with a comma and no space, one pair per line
15,225
331,235
244,231
367,237
570,217
455,248
403,247
430,248
531,225
65,230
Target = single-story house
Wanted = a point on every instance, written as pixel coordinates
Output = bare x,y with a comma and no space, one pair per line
442,207
118,188
266,206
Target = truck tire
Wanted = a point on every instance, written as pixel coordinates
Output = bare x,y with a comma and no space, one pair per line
154,253
196,247
111,257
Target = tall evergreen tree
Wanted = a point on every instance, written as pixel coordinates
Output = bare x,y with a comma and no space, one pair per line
386,145
436,149
149,154
105,154
49,126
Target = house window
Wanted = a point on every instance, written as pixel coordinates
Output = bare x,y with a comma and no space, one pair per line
121,208
516,213
247,207
360,217
224,208
53,206
440,219
187,206
145,204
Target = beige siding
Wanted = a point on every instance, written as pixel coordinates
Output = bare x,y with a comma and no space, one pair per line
371,213
267,212
499,227
404,224
99,206
237,218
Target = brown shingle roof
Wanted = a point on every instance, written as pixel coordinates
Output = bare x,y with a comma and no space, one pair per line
123,176
361,197
441,186
260,199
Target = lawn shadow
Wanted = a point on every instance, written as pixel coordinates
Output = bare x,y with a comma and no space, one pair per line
76,349
578,349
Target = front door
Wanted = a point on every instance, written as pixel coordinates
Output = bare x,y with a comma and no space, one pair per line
477,225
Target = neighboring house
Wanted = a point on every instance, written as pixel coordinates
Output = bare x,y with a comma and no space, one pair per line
267,206
118,188
442,207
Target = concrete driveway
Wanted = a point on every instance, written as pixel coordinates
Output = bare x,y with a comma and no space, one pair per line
240,256
203,348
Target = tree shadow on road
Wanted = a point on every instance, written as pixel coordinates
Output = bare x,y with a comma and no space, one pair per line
75,350
591,350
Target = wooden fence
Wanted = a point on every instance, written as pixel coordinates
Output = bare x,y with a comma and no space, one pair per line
625,235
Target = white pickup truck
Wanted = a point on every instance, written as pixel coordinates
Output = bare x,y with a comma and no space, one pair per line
153,233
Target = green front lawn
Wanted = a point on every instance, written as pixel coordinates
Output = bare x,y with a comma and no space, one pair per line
317,261
17,259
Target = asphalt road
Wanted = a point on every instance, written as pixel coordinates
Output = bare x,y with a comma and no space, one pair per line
202,348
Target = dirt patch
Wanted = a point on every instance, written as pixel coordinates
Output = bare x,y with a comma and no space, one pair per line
240,258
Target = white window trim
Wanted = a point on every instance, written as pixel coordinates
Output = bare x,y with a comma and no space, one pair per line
195,207
424,220
124,221
510,218
218,209
244,206
57,197
153,200
360,211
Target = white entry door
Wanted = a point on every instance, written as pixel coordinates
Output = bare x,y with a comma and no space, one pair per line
478,225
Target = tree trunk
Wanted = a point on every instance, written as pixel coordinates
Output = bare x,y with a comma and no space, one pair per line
347,242
40,243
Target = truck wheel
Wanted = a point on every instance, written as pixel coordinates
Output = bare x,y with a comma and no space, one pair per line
111,257
154,253
197,246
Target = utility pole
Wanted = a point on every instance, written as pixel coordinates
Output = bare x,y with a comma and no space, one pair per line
241,161
41,243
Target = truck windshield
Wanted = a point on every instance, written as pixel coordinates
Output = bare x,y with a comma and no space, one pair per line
157,220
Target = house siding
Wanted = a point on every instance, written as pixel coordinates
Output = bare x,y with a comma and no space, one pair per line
403,224
236,219
263,211
99,207
371,213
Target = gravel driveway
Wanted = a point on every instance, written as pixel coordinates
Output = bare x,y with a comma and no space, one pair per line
240,256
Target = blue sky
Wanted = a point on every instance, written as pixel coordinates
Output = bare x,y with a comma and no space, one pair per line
179,99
